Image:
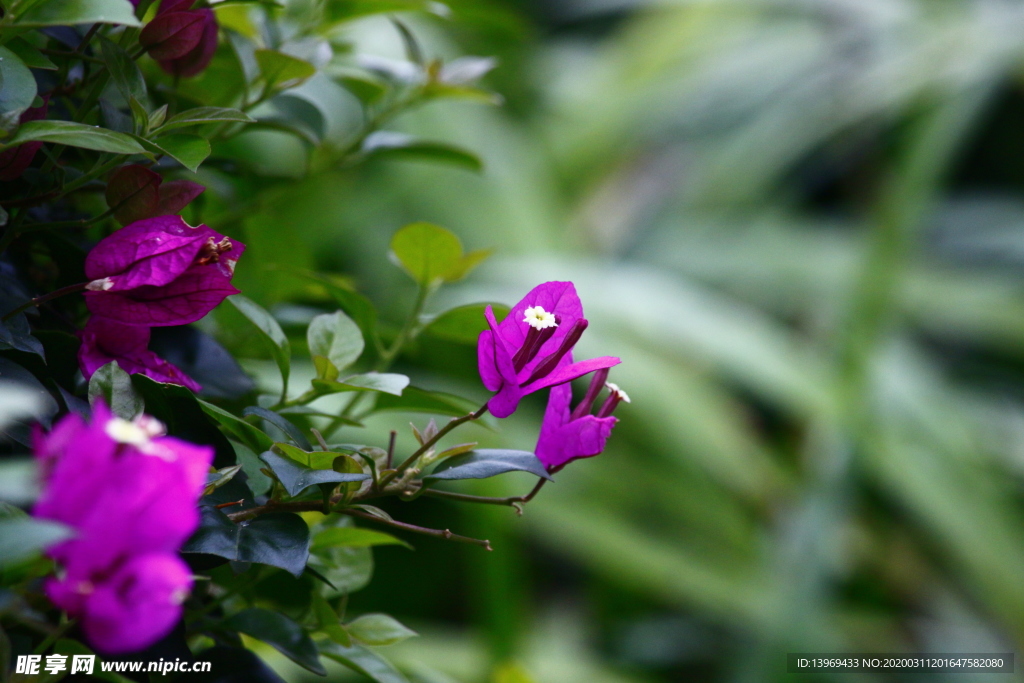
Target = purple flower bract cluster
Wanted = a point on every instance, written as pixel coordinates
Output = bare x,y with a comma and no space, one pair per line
182,40
130,496
152,273
530,350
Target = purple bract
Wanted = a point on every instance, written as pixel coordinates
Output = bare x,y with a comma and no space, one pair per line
105,340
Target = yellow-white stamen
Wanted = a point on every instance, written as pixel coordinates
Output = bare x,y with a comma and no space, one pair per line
139,433
123,431
538,318
614,388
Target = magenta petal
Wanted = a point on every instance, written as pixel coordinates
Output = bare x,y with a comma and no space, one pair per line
559,298
567,372
489,374
562,439
505,402
105,340
147,252
138,605
194,294
175,195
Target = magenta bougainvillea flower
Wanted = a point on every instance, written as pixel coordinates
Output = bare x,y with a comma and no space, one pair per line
105,340
182,40
569,434
160,271
14,161
530,349
130,495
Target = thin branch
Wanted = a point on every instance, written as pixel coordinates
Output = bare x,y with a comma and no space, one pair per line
455,422
436,533
39,300
512,501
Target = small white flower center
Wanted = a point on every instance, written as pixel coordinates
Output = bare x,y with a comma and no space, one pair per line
538,318
614,388
179,596
138,433
101,285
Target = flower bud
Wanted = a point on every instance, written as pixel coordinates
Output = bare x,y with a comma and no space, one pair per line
172,35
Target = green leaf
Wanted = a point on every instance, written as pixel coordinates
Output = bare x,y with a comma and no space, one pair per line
281,71
23,537
270,330
280,632
252,466
463,324
123,70
140,117
416,400
280,539
379,629
200,115
214,480
385,382
348,569
430,254
182,413
290,430
30,55
188,150
336,338
389,144
328,622
114,387
76,135
487,462
354,537
357,306
363,661
73,12
248,434
17,84
296,477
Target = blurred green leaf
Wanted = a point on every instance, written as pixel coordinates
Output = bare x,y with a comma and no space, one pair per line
464,323
354,537
201,115
328,622
270,330
363,661
123,70
430,254
188,150
379,629
280,539
281,633
388,144
281,71
17,85
30,56
72,12
385,382
416,400
487,462
21,538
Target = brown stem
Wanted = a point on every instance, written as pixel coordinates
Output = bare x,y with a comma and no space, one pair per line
437,533
391,448
455,422
513,501
39,300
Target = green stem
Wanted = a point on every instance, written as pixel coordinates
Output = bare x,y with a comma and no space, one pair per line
455,422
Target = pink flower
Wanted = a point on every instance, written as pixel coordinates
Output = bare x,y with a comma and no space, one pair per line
130,494
160,271
569,435
530,349
105,340
14,161
182,40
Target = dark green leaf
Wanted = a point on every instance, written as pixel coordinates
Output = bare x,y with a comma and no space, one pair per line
188,150
463,324
348,569
354,537
280,539
15,333
123,70
114,387
385,382
17,84
281,423
181,411
73,12
241,430
76,135
269,329
328,622
296,477
201,115
416,400
30,55
363,661
402,146
34,402
357,306
379,629
214,480
282,633
487,462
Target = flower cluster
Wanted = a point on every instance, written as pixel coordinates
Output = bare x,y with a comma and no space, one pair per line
530,350
152,273
130,495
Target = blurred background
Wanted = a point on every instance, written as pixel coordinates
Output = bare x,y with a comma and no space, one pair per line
800,223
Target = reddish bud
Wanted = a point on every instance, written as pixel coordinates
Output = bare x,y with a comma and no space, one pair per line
14,161
133,193
172,35
195,60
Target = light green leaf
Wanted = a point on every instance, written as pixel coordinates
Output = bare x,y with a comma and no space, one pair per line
385,382
362,660
188,150
22,537
399,145
463,324
354,537
336,338
76,135
379,629
200,115
73,12
281,71
431,255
